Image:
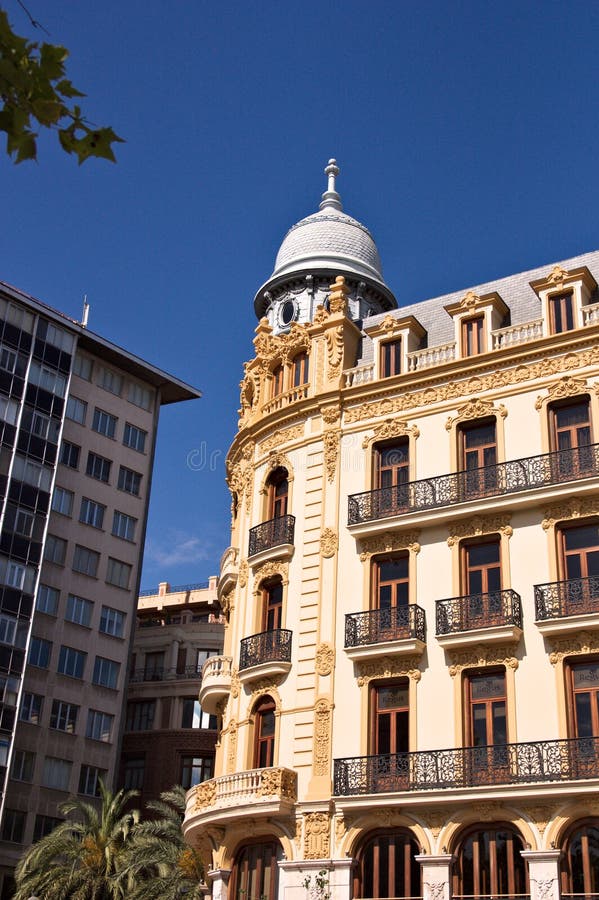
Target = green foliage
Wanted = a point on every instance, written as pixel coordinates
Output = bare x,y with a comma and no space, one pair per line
34,89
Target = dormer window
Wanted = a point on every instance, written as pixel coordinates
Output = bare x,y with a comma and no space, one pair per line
567,297
390,363
561,312
475,319
473,336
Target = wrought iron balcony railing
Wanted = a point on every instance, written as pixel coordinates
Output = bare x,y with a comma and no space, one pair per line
478,611
511,477
574,597
163,674
268,646
271,534
380,625
536,761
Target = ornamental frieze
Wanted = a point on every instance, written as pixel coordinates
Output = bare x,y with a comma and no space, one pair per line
330,414
277,783
329,543
205,795
322,737
476,409
565,387
389,542
331,439
271,348
243,573
570,509
231,747
269,570
282,437
391,428
334,339
316,836
477,657
578,645
479,525
325,658
386,667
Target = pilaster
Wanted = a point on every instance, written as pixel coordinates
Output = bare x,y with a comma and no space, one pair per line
543,873
436,876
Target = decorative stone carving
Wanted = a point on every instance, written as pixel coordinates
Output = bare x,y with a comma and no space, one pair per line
476,409
342,824
565,387
436,889
243,573
339,296
334,339
557,275
226,601
320,316
297,837
436,819
282,437
386,667
331,451
389,324
479,525
277,783
267,686
330,414
205,795
232,747
488,810
325,658
576,645
504,377
273,348
328,543
570,509
479,656
540,815
391,428
322,737
389,542
269,570
240,479
316,836
470,300
544,887
235,683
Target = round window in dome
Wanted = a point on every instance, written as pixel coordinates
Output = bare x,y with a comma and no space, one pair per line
288,312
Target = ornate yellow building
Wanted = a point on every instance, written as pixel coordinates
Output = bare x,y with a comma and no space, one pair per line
409,689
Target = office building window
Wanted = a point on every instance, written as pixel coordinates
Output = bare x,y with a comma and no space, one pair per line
76,410
32,473
62,501
106,672
91,513
140,396
129,481
71,662
89,780
64,716
195,717
99,725
13,826
31,708
134,437
85,561
69,454
123,526
118,573
47,599
79,610
112,621
40,651
98,467
56,773
23,764
140,715
133,773
55,550
82,366
111,381
104,423
43,826
195,769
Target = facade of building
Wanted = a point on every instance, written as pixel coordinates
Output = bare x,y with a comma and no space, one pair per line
167,738
410,678
79,419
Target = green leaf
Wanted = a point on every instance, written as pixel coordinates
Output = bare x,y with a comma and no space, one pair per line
65,88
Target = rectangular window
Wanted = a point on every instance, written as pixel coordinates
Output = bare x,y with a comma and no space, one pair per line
39,653
111,381
392,474
300,369
8,359
69,455
478,458
43,826
23,764
62,501
56,773
16,575
99,725
71,662
135,438
64,716
118,573
51,334
82,366
154,666
9,689
31,708
390,358
133,773
123,526
76,410
91,513
98,467
47,599
583,706
89,780
13,826
390,718
55,550
473,336
139,396
561,312
140,715
486,724
32,473
85,561
106,672
129,481
9,411
195,769
112,621
79,610
195,717
104,423
39,425
24,522
47,379
13,631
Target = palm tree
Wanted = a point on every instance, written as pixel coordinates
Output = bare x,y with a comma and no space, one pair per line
81,858
160,865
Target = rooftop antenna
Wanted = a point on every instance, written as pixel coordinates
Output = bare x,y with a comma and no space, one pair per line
85,315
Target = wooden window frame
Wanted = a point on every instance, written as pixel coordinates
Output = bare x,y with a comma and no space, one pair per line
390,358
464,567
399,444
570,665
375,600
564,300
277,505
278,381
590,878
300,369
514,861
269,607
264,706
247,861
398,839
473,339
561,532
465,428
469,674
375,687
565,404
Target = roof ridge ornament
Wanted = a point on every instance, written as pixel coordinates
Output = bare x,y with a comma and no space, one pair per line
330,198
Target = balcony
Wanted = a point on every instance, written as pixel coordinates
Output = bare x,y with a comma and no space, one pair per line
479,618
567,606
398,631
508,478
265,654
260,792
163,674
229,571
467,767
216,682
272,540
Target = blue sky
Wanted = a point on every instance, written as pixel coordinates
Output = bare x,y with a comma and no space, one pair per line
467,137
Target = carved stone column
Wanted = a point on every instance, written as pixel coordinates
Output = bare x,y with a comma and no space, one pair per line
436,876
543,873
219,883
293,875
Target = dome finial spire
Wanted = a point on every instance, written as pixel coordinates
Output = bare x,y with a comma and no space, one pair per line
331,198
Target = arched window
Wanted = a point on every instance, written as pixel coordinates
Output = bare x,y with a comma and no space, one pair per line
580,860
386,866
278,376
300,370
255,872
278,492
264,736
489,863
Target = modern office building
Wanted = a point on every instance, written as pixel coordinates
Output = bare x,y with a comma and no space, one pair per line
167,738
410,678
79,418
